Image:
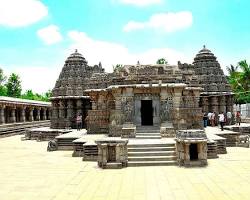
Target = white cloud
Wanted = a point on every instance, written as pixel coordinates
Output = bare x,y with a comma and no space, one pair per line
38,78
141,2
110,53
19,13
50,34
167,22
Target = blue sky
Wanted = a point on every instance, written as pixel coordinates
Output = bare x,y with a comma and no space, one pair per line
37,36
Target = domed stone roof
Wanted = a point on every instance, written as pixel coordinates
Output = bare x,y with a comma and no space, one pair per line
72,79
210,74
76,57
204,55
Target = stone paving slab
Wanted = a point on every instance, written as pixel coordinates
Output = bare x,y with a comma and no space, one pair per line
28,172
74,134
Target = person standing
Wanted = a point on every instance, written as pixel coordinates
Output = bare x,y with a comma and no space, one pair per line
209,115
79,122
205,118
229,118
238,118
221,120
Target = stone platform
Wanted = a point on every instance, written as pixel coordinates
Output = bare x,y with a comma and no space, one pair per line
44,133
65,141
29,172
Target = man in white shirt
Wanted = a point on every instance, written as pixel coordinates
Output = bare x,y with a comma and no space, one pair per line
221,120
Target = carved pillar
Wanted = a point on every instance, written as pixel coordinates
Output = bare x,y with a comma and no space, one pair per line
70,109
31,114
2,117
61,109
55,110
13,115
222,104
204,104
38,114
229,103
22,119
177,98
214,104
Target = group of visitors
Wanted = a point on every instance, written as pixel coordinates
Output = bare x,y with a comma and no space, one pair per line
213,119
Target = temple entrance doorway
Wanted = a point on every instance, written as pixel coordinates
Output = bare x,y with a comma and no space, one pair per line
193,151
146,113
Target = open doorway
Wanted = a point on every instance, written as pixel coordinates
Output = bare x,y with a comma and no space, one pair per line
146,113
193,151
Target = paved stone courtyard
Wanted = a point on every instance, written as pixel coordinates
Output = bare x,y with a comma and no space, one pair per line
28,171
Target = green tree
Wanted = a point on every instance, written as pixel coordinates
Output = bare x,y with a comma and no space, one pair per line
245,74
13,86
117,67
3,91
162,61
240,81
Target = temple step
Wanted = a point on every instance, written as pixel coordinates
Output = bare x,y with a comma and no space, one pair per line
151,163
151,158
143,149
148,137
150,153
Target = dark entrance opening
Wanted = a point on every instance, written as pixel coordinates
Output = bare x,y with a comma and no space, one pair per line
146,112
111,154
193,151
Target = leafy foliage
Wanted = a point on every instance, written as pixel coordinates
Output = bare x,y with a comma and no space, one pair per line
12,88
240,81
162,61
117,67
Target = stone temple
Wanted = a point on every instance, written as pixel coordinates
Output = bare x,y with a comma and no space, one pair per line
141,102
152,95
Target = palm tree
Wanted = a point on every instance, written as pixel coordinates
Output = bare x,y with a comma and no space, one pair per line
245,74
232,69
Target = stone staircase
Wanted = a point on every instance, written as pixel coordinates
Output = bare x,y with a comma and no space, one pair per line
148,132
151,154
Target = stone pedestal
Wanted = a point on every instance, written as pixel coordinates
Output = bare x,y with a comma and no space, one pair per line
112,153
167,130
128,130
191,148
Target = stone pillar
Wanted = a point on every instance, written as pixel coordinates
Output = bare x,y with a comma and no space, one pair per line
44,114
38,114
204,104
31,114
177,119
61,109
229,103
79,106
214,104
222,104
55,110
13,115
2,117
70,109
22,119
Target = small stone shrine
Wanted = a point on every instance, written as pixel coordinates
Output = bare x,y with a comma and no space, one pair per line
112,153
191,147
